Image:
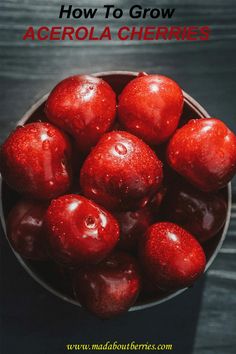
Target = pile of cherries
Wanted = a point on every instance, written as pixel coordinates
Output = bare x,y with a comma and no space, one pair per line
114,193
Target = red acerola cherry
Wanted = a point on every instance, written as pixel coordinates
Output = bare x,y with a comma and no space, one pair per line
121,172
84,106
25,229
150,107
202,214
133,225
79,230
171,256
35,160
204,152
109,288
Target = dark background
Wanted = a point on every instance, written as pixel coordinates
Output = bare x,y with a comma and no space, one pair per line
203,319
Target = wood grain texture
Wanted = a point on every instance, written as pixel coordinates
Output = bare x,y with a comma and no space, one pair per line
203,320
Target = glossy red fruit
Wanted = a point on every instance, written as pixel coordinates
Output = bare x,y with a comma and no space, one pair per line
133,225
121,172
150,107
109,288
204,152
35,160
202,214
79,230
25,229
171,256
84,106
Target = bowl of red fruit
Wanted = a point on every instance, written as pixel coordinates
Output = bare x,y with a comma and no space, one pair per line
115,190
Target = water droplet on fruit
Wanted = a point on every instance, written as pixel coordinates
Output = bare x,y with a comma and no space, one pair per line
50,133
120,149
221,154
107,177
46,145
126,190
98,156
128,271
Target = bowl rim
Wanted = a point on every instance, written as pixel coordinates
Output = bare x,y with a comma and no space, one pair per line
203,114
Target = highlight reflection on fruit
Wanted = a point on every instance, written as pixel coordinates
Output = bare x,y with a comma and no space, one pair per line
25,229
35,161
79,230
84,106
171,256
117,218
150,107
204,152
121,172
202,214
109,288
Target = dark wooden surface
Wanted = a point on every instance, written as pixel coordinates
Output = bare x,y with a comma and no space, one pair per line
202,320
